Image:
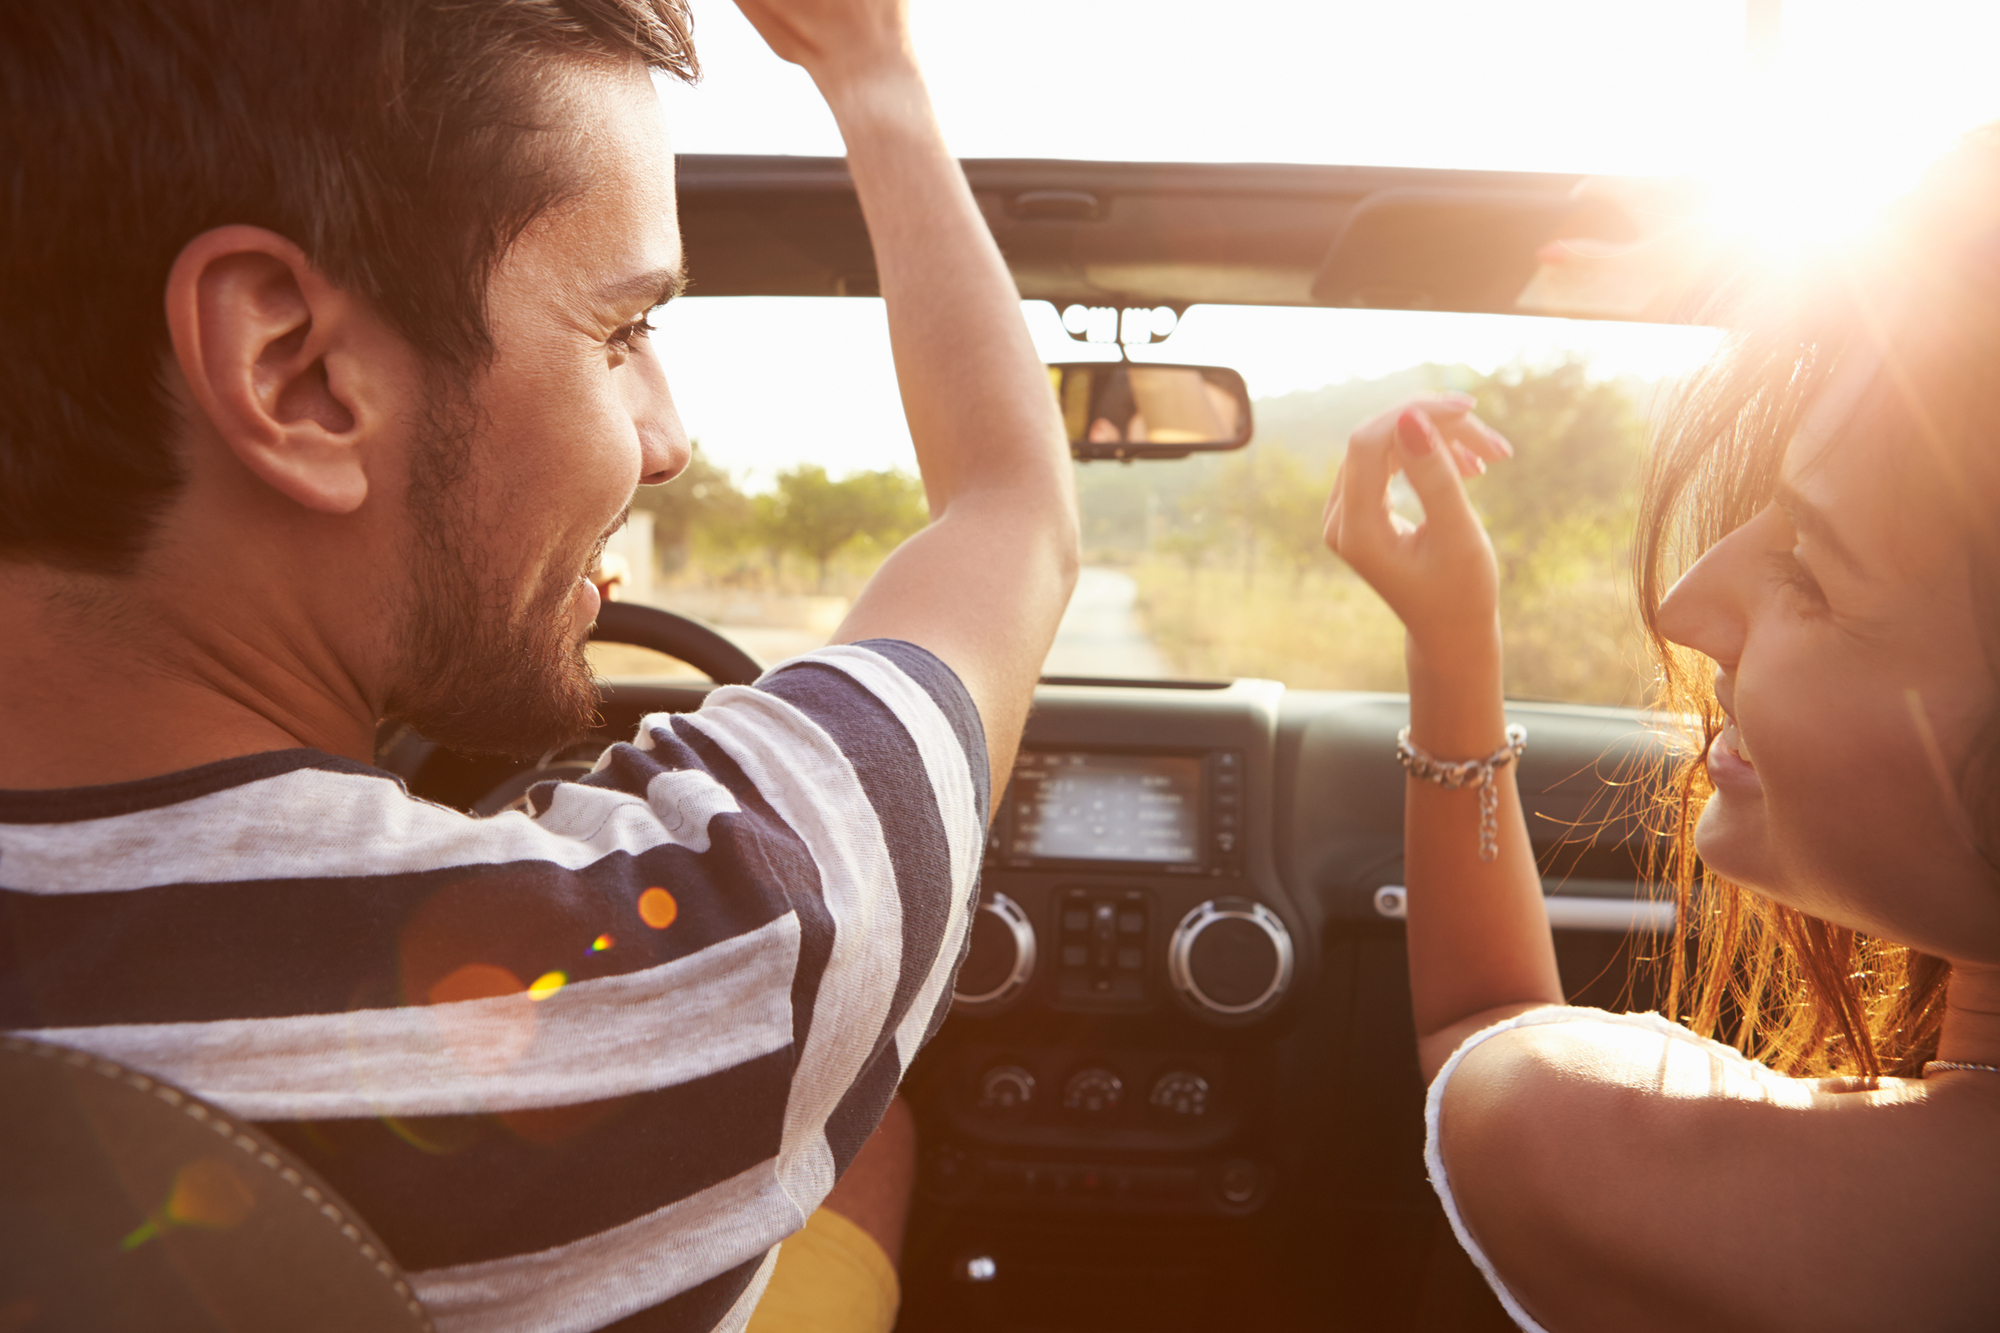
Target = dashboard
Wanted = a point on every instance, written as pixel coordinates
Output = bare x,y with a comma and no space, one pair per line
1178,1088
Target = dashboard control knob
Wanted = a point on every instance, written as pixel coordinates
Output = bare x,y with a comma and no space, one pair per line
1001,957
1181,1093
1238,1182
1230,958
1093,1092
1006,1088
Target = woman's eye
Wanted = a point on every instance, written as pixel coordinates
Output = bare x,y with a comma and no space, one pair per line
1794,575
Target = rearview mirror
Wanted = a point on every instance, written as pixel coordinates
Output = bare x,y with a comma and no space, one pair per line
1126,410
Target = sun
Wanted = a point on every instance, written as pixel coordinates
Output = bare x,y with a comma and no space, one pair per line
1835,121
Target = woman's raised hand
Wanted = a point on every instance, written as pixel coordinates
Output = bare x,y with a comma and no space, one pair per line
1438,575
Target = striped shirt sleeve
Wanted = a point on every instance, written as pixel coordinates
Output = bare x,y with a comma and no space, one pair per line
872,754
580,1068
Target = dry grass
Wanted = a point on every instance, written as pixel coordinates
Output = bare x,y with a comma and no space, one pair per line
1571,637
1323,630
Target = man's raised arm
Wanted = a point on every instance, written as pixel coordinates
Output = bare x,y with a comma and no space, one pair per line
984,585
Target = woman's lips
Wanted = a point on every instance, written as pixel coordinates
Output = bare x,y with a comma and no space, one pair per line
1728,765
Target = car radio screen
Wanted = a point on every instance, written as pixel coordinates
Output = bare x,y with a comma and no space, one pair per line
1107,807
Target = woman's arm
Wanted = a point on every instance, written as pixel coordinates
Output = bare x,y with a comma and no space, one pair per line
1623,1174
1478,935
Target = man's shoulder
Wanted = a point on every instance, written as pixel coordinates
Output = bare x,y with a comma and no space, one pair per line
71,805
914,683
867,693
257,807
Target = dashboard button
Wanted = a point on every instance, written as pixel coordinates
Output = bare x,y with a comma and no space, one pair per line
1000,958
1181,1093
1093,1092
1238,1181
1230,959
1103,954
1006,1088
949,1168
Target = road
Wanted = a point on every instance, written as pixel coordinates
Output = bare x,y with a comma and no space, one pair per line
1100,634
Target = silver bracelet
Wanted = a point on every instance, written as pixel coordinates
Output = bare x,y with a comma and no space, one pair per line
1463,772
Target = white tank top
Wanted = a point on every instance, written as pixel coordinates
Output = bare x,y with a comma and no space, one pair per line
1434,1156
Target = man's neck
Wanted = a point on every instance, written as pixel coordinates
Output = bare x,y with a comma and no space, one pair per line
105,680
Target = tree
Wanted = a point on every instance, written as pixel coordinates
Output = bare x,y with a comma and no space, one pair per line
1580,444
1276,499
1561,515
1198,528
702,506
816,516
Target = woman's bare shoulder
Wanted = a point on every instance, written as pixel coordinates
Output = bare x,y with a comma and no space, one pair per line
1621,1175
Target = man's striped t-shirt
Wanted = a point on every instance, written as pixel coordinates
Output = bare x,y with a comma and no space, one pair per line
580,1069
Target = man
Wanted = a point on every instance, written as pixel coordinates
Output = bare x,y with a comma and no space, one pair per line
323,380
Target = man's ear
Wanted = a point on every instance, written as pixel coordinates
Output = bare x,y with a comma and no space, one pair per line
293,374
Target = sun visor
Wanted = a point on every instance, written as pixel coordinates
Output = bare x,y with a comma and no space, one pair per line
1476,251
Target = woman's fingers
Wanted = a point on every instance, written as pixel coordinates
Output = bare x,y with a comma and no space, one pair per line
1359,523
1357,514
1432,464
1474,436
1438,575
1358,519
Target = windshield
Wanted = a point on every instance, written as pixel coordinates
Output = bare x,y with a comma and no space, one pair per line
1209,567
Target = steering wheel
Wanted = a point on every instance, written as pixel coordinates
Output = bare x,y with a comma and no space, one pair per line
676,636
644,627
404,752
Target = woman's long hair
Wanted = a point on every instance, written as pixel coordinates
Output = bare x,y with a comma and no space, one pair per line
1806,996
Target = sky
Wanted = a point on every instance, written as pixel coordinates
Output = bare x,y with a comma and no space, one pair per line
1800,140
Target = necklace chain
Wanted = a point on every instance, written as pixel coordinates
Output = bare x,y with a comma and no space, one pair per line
1959,1064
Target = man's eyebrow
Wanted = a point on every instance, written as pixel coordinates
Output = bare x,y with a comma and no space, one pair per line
655,287
1810,520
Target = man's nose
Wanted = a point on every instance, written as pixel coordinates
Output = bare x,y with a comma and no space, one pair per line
663,441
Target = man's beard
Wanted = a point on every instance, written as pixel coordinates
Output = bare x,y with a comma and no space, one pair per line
474,673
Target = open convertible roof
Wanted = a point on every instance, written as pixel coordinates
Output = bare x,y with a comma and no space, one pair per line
1148,234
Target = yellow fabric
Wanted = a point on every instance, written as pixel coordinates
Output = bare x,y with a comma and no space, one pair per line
831,1278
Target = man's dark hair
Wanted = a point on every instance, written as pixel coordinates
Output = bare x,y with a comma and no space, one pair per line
392,140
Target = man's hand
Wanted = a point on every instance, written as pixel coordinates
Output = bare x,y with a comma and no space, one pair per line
835,40
984,585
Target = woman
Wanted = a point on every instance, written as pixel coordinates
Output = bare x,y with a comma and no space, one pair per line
1829,494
